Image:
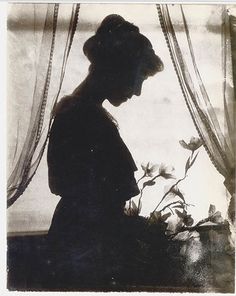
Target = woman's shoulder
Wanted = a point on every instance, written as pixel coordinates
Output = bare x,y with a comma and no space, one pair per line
65,105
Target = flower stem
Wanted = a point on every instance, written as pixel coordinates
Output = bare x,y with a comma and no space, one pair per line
164,196
139,200
154,178
171,188
144,175
192,154
141,191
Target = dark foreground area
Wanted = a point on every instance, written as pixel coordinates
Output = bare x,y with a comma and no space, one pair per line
155,263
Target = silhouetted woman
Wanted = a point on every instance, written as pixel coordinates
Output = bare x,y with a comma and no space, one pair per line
89,165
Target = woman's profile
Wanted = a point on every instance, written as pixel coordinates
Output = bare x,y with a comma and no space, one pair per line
89,165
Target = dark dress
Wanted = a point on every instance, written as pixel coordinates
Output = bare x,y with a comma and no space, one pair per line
92,170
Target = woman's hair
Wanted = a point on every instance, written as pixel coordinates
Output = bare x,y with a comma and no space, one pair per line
118,44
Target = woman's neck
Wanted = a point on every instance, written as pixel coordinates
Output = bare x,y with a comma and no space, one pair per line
91,90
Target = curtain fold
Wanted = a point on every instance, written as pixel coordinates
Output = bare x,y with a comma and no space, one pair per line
56,40
217,134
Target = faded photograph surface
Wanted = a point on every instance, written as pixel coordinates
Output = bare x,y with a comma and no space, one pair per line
121,147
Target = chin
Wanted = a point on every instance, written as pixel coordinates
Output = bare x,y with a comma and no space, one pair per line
117,103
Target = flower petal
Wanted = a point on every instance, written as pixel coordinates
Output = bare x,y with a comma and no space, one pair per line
144,167
168,176
179,214
154,167
195,143
184,144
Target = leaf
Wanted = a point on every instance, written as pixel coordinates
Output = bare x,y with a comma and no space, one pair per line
134,207
184,212
140,207
179,214
178,207
180,194
175,191
149,183
192,162
165,217
183,144
187,166
188,220
155,216
211,210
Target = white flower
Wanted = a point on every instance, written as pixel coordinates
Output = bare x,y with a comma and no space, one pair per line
166,171
149,169
193,145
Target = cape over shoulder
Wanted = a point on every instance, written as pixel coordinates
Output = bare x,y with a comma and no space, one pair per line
83,137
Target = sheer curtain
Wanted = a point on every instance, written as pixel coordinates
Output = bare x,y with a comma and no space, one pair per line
41,36
215,129
37,33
